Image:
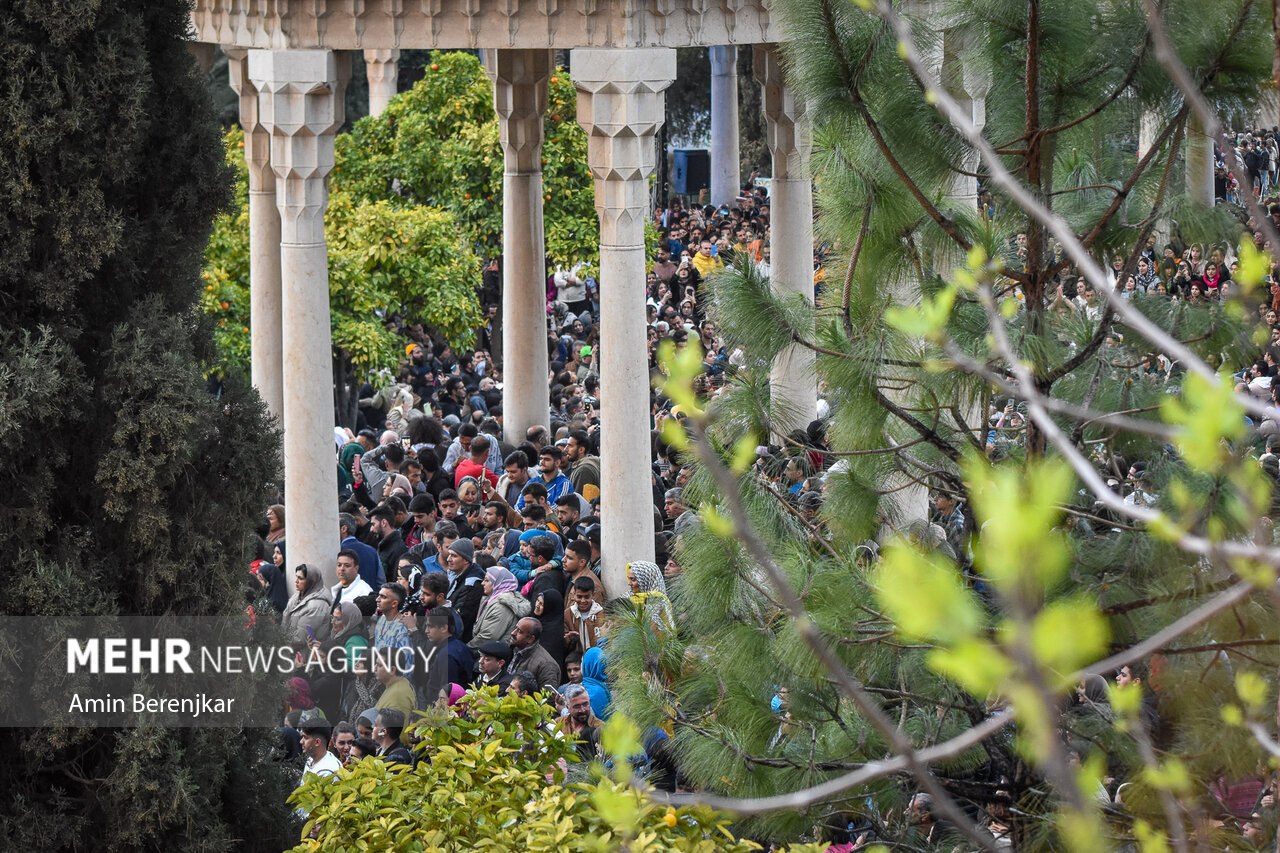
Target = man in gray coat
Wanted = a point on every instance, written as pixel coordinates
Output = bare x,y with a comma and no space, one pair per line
529,654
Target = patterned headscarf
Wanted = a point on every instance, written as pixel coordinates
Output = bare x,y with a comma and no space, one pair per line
503,581
652,597
648,576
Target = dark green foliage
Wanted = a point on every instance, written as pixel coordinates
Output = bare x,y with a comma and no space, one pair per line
129,488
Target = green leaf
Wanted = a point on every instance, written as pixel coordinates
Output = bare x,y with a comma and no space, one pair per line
976,665
1171,775
744,453
1252,689
1208,415
1018,509
1066,635
926,597
1254,265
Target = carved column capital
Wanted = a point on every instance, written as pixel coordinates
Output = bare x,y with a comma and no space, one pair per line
300,104
520,79
620,105
724,60
786,127
257,139
382,70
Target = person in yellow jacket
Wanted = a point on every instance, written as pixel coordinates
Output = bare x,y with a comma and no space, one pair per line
705,261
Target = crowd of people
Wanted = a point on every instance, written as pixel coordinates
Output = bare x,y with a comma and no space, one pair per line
471,558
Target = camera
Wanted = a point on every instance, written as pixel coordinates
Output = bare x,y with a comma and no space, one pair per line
414,604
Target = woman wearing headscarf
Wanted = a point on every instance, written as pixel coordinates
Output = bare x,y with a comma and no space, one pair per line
346,465
331,662
362,690
649,593
271,579
548,607
275,522
310,605
596,682
503,606
346,632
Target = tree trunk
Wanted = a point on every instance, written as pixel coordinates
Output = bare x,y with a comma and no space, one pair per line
346,396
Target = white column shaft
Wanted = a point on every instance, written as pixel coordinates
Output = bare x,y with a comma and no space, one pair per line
794,387
1148,126
792,380
520,80
265,313
300,103
726,169
525,393
382,70
1199,164
620,104
264,241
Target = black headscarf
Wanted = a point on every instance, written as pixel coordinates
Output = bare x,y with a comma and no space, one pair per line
277,590
552,620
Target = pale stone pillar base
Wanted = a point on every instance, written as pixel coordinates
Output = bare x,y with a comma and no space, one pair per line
382,69
794,388
726,169
520,79
300,104
620,105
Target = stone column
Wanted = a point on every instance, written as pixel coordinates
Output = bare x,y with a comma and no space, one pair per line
300,105
382,70
520,97
1199,164
620,105
794,388
973,84
726,171
265,355
1149,125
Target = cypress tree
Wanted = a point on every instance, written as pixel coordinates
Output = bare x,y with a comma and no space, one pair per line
130,489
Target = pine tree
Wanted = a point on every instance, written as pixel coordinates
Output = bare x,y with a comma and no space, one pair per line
929,637
130,489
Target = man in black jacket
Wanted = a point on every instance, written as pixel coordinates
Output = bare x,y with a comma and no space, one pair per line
466,583
386,731
391,545
492,666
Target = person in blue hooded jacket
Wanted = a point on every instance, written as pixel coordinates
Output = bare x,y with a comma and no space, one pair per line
595,680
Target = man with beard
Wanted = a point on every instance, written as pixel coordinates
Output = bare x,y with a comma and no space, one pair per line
581,723
391,545
420,370
584,471
493,519
514,478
